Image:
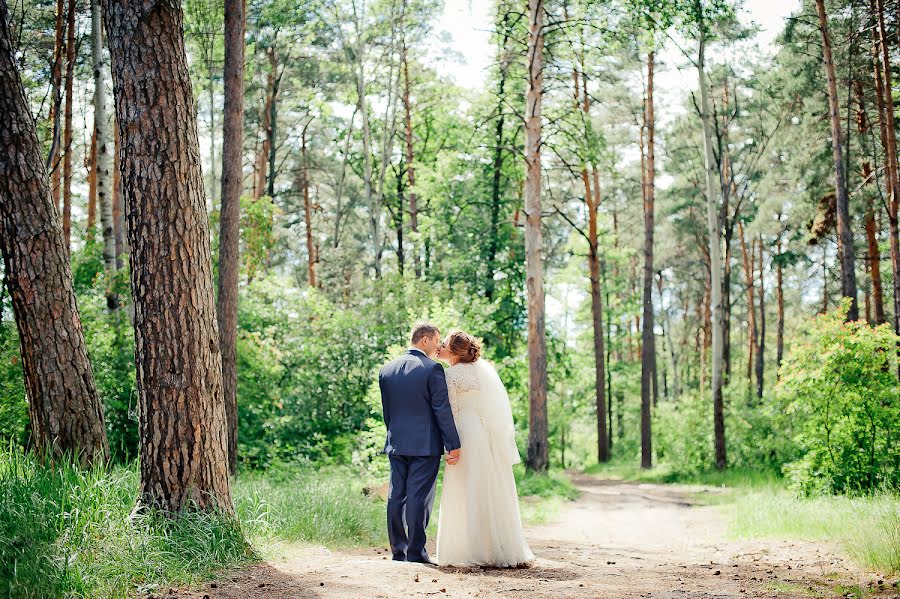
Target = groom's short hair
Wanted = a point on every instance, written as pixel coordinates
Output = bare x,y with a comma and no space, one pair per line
421,330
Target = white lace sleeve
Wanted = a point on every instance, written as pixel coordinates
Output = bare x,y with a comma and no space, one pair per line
460,379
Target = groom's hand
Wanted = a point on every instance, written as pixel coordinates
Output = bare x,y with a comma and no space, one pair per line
452,456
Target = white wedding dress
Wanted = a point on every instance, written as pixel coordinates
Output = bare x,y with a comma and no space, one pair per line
479,522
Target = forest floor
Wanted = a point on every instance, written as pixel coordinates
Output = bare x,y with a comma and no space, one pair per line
618,540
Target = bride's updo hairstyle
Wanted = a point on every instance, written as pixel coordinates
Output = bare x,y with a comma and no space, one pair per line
464,346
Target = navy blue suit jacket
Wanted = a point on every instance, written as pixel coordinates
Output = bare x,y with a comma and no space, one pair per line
416,407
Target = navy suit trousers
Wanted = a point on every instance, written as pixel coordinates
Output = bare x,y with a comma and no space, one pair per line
413,482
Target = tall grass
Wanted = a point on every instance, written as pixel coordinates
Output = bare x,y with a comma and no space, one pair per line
65,531
302,504
867,528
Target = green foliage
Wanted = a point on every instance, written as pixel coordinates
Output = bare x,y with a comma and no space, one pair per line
831,424
257,234
841,405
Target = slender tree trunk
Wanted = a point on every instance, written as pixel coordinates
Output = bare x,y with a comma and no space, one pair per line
497,172
118,202
91,165
749,261
673,358
67,133
262,156
183,434
761,347
648,340
210,49
103,161
715,266
66,415
230,215
410,165
307,213
726,304
56,105
876,303
597,319
534,275
848,268
273,133
779,282
582,103
889,139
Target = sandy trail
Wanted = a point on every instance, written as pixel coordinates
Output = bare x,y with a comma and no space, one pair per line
619,540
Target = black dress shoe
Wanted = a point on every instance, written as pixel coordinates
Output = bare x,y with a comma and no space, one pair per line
427,562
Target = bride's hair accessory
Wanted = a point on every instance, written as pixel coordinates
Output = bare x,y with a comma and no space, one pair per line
464,346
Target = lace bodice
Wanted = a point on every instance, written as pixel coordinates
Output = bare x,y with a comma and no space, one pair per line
461,378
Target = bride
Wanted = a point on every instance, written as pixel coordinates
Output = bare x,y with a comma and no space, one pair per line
479,522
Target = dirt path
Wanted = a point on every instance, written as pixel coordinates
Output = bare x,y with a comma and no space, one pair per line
619,540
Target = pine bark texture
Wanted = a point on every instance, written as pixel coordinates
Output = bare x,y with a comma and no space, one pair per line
183,439
538,451
65,412
230,215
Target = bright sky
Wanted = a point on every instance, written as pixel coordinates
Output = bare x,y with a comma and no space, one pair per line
469,23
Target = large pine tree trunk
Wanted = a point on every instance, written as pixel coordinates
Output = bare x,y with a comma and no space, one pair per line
538,456
66,414
648,341
715,257
230,214
103,161
67,131
183,438
848,268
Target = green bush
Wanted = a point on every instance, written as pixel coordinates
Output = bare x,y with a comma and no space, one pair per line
839,400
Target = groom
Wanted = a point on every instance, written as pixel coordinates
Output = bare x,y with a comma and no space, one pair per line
419,427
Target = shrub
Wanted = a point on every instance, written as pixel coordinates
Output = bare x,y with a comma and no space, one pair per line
839,400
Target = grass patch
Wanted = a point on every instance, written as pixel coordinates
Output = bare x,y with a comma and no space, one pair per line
867,528
742,478
65,531
542,496
302,504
